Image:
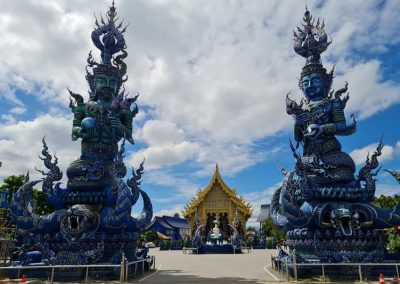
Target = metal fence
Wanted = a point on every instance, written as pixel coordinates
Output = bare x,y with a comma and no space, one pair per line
127,270
7,238
284,267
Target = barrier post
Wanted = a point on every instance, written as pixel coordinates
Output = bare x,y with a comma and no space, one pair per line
52,275
397,271
122,268
126,271
294,265
135,268
359,271
279,266
87,274
287,270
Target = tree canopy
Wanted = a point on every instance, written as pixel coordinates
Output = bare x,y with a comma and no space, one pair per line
386,202
13,183
271,230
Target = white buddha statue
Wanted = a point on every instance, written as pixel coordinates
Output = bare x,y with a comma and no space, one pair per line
216,232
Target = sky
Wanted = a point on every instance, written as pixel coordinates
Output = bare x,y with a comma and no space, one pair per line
212,77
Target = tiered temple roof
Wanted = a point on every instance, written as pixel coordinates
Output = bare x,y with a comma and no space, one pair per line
239,201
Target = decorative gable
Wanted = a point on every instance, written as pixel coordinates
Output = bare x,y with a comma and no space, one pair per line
217,195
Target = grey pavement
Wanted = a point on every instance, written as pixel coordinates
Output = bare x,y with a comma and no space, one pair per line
176,267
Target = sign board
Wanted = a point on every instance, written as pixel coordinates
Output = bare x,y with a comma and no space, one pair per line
3,198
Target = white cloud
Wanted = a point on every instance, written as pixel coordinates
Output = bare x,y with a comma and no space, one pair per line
156,132
183,187
368,94
170,211
256,199
21,144
165,155
8,118
214,73
18,110
360,155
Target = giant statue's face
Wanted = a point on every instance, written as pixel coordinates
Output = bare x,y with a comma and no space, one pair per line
106,86
313,86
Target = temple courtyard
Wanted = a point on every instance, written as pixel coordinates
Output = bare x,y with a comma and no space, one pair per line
254,267
176,267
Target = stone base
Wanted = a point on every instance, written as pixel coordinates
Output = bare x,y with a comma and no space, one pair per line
330,246
101,247
226,248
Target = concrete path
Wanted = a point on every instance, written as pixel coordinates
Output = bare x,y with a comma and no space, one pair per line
176,267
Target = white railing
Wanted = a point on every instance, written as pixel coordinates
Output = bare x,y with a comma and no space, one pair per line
127,269
283,266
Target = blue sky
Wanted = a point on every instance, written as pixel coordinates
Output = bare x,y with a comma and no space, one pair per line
212,75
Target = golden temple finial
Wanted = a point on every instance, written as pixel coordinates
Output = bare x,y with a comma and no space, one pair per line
216,167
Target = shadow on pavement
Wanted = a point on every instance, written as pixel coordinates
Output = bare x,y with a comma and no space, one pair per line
177,276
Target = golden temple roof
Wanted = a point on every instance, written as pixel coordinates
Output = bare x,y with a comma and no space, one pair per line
239,201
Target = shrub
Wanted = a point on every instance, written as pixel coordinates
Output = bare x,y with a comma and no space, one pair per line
249,242
269,242
167,244
186,242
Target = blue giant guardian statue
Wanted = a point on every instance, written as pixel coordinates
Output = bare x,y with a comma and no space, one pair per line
324,207
92,220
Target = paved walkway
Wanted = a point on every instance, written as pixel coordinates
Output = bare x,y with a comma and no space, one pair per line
176,267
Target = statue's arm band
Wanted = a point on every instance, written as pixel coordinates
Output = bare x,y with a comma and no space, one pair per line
329,129
338,115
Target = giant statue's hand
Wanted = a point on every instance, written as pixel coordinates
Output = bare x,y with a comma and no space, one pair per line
78,132
313,131
116,123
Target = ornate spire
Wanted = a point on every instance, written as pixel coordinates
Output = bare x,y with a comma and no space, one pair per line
311,40
108,37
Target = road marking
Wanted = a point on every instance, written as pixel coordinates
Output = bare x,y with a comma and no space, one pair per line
272,275
159,267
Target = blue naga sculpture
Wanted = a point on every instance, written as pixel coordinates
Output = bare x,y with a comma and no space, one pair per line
92,220
324,207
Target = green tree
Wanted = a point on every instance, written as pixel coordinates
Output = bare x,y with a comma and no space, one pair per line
150,236
271,230
251,229
186,242
393,235
386,202
12,183
393,240
42,207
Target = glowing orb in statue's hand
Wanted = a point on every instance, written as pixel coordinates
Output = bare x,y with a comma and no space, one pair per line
88,123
